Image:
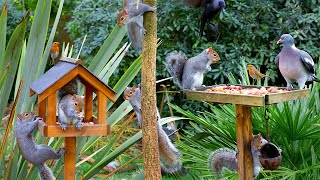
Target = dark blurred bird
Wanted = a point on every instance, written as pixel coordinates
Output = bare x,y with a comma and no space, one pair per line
295,65
54,53
211,8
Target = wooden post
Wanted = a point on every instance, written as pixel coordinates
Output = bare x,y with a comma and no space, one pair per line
244,138
88,104
51,109
102,108
42,109
150,145
70,158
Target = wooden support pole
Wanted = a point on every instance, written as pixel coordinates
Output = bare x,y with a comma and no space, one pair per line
70,158
244,138
150,145
88,104
42,109
51,109
102,108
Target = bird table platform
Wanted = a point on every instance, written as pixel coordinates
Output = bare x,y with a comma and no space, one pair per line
47,86
245,97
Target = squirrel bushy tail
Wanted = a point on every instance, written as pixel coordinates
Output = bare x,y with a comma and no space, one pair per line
222,157
227,158
169,154
175,64
45,172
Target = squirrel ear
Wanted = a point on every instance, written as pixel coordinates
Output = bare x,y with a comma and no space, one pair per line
210,49
74,96
134,88
118,12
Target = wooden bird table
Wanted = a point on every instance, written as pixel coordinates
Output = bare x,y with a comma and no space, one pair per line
244,104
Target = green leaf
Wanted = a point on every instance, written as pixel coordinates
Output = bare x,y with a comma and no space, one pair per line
107,49
35,47
126,78
12,57
108,158
3,29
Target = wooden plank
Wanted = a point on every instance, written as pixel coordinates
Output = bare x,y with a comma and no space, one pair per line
287,96
244,138
225,98
59,84
88,104
102,108
52,109
251,100
42,109
70,158
96,83
71,60
32,92
71,131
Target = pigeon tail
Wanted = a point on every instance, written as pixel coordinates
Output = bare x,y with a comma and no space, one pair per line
315,78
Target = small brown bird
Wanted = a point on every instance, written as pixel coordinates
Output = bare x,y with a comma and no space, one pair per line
255,73
54,52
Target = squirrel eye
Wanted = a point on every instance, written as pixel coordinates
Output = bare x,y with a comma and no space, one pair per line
27,114
75,104
214,55
122,18
130,92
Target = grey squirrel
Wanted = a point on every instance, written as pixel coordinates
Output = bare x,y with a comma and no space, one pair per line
211,9
169,154
70,105
226,158
132,16
36,154
188,74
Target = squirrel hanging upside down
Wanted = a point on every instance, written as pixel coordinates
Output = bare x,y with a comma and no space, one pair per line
132,16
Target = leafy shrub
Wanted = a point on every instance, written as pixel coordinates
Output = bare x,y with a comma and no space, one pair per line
247,29
15,14
94,18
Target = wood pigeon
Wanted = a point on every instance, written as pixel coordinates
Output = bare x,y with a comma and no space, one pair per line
295,65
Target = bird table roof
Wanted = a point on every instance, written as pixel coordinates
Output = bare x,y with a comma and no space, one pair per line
64,72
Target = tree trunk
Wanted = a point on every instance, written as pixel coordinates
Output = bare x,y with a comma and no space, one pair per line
149,115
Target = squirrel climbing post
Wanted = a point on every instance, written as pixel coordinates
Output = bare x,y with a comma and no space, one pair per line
148,77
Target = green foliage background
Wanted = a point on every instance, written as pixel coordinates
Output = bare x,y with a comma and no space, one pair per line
248,29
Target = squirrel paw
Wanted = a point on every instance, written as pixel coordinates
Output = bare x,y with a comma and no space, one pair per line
143,30
79,126
61,151
63,126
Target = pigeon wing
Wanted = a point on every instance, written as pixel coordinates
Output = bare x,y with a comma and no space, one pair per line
307,61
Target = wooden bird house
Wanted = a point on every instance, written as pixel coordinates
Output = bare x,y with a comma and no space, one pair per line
47,85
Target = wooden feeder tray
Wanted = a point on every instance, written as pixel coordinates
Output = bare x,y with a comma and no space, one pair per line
250,100
88,129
